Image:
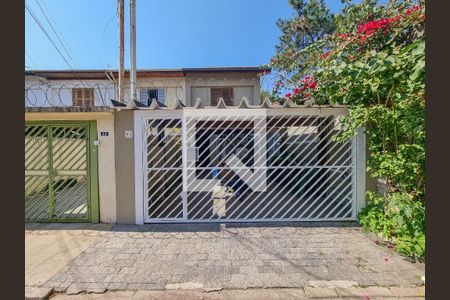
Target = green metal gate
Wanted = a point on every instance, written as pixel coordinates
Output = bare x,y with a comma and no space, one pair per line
61,172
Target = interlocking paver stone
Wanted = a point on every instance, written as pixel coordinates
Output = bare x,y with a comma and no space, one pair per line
234,256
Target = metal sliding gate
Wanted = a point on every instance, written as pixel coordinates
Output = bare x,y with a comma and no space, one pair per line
57,172
246,165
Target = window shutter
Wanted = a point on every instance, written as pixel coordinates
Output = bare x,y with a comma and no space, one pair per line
83,97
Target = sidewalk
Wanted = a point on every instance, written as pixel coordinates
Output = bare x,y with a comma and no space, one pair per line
51,247
227,260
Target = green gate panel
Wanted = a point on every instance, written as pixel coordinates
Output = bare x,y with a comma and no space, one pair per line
59,186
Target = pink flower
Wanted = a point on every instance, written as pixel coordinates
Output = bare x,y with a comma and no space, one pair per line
412,9
288,95
325,55
296,90
309,82
279,83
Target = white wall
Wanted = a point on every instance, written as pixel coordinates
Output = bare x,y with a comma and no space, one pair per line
199,84
174,88
106,170
59,92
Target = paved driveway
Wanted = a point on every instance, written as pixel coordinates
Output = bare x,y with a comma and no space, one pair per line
234,256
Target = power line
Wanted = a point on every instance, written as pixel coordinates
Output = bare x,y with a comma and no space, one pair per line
60,32
100,56
104,33
61,40
30,60
30,11
71,57
53,43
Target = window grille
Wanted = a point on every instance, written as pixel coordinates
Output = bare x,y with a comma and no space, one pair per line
148,94
227,93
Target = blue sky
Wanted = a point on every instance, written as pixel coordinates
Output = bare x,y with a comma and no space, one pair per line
170,33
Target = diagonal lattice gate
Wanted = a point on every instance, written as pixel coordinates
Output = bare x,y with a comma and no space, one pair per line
247,166
57,177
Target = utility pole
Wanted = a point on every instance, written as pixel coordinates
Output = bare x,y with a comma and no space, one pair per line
121,74
131,104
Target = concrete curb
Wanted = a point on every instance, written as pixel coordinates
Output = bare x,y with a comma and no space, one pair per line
308,292
37,293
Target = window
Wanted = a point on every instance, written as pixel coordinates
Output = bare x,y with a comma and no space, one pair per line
148,94
83,97
227,93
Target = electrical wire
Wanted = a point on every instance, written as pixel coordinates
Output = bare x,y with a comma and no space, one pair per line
66,54
30,60
56,34
42,27
30,11
60,33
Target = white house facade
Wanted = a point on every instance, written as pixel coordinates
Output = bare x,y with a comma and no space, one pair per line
198,145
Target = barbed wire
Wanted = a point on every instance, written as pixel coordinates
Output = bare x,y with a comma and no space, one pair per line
40,93
58,93
50,94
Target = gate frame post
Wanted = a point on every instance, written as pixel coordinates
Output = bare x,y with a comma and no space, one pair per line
51,193
139,185
360,166
184,175
93,165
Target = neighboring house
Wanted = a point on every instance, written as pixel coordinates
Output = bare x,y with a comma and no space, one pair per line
89,88
71,132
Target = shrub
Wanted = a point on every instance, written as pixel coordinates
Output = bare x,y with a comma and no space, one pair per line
399,219
374,63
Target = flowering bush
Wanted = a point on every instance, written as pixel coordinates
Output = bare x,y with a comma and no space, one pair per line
303,90
374,63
